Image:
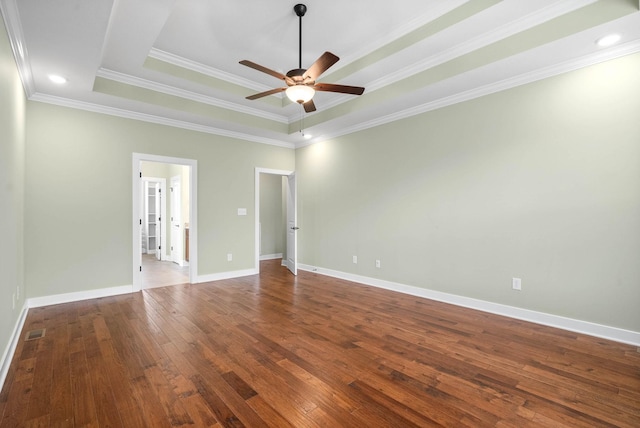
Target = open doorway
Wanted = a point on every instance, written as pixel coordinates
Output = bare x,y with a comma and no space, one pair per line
276,231
164,216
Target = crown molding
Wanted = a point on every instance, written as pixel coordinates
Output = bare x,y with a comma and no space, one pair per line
181,93
532,20
481,41
512,82
9,10
144,117
182,62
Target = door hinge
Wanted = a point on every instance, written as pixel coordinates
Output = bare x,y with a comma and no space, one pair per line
140,222
160,247
140,174
140,268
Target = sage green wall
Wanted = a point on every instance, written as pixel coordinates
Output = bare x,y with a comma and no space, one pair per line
271,215
541,182
78,202
12,125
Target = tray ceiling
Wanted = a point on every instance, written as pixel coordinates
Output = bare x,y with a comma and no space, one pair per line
176,62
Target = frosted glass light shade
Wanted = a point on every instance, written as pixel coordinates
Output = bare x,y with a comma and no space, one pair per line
300,93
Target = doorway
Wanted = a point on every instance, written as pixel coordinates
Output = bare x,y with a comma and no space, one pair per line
158,259
290,256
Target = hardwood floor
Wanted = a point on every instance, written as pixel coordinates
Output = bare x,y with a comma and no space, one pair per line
274,350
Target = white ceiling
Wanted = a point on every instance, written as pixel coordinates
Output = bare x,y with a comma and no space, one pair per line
176,62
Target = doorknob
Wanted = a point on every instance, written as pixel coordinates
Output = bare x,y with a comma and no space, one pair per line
295,228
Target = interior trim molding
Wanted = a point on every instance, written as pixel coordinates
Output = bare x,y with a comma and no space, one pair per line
7,355
56,299
183,93
271,256
597,330
481,91
182,62
226,275
144,117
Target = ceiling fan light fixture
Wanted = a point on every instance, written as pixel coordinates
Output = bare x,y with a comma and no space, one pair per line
300,93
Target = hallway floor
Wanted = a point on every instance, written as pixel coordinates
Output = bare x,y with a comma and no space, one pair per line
157,273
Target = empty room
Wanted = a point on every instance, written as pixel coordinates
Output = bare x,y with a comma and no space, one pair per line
344,214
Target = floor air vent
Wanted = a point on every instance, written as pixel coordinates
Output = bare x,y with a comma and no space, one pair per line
35,334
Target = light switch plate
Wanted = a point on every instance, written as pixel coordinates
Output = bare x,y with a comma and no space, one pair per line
516,284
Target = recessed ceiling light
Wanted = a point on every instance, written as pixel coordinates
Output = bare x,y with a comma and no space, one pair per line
57,79
609,40
307,136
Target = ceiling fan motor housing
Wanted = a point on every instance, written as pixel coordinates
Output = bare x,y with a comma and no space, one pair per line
300,9
297,76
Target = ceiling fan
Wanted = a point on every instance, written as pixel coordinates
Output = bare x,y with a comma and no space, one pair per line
301,83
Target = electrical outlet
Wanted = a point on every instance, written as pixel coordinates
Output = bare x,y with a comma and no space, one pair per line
378,263
355,260
229,257
516,284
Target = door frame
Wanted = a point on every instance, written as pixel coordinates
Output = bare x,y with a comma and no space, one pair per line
136,237
258,171
175,204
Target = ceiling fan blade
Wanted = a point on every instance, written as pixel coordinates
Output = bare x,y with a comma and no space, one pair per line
259,67
265,93
343,89
321,65
309,106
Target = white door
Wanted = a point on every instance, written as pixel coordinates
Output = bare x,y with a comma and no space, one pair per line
176,227
292,218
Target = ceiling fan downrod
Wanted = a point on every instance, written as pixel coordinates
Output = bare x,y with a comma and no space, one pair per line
300,10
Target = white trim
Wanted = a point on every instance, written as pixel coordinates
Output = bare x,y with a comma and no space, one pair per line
226,275
188,95
56,299
271,256
182,62
7,355
578,326
500,33
151,118
9,10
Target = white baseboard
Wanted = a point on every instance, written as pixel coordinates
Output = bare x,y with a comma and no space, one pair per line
7,355
226,275
271,256
578,326
56,299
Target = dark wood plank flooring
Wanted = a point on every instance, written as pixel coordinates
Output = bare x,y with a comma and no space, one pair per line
274,350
